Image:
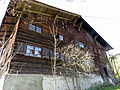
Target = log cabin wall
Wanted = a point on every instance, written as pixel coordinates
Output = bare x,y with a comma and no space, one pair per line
33,47
28,36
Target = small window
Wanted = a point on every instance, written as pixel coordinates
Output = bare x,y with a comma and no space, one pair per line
30,50
33,51
60,37
32,27
81,45
62,56
35,28
38,29
45,52
37,52
57,55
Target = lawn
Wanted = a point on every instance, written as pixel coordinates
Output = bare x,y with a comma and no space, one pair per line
112,88
106,86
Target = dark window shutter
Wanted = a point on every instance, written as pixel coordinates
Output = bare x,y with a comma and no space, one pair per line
21,48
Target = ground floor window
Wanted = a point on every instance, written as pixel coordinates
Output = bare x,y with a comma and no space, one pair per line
33,51
42,52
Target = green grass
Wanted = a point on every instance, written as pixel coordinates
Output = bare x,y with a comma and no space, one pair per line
106,86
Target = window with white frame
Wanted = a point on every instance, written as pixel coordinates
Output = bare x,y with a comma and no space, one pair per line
35,28
38,29
32,27
33,51
37,52
30,50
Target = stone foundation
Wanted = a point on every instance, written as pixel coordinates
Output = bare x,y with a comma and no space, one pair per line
46,82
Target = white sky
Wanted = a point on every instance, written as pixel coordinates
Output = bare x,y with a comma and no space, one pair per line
102,15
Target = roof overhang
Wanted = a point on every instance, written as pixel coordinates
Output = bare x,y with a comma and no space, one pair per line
40,8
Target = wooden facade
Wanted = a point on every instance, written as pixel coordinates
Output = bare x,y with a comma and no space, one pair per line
32,47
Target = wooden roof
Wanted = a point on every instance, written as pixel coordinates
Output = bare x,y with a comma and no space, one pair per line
33,6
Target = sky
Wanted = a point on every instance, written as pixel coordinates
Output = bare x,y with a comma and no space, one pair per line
102,15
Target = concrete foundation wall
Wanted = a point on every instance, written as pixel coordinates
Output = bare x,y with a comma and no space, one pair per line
46,82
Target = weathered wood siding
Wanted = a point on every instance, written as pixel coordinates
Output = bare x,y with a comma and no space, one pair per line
29,64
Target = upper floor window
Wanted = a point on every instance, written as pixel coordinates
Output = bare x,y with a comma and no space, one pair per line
82,45
45,52
60,37
32,27
35,28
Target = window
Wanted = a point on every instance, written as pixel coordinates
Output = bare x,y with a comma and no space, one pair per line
33,51
21,48
45,52
35,28
60,37
37,52
81,45
57,55
39,29
30,50
62,56
32,27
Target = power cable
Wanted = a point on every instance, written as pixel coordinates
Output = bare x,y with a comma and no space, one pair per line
101,17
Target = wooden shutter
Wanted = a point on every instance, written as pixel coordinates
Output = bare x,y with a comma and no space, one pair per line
21,48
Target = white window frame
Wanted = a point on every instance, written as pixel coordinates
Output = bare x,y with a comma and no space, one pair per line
33,51
35,28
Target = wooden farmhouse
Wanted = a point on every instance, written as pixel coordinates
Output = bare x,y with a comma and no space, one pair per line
28,46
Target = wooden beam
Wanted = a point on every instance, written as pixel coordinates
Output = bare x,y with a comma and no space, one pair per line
80,25
76,20
45,14
37,12
50,7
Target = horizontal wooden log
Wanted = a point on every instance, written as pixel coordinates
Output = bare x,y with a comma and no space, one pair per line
30,59
30,65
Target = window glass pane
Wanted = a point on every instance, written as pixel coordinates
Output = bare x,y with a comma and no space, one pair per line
37,52
30,50
30,47
45,52
30,54
33,51
37,48
38,29
38,55
32,27
81,45
60,37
